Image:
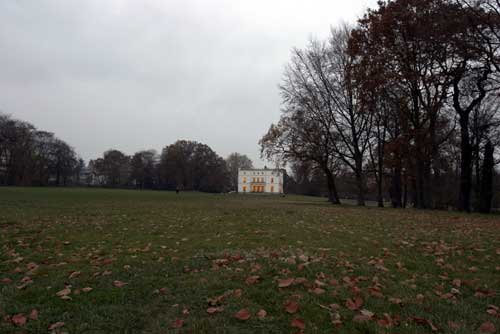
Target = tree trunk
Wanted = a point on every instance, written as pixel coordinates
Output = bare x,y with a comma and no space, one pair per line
361,190
405,193
487,179
465,165
360,181
333,196
380,183
396,188
419,200
380,194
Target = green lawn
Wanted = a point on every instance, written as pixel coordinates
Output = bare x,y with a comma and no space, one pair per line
116,261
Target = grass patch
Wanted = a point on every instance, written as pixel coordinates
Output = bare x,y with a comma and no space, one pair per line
179,255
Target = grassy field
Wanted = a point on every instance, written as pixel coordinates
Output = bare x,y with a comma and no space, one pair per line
106,261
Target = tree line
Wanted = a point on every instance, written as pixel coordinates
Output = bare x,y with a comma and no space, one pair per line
407,99
32,157
29,156
184,165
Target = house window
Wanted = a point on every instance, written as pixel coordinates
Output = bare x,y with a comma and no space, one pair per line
244,189
272,180
244,180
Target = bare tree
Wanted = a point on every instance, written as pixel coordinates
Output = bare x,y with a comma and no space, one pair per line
235,162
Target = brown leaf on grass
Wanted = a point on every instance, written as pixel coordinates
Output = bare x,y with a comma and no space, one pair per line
354,304
493,310
32,265
211,310
375,292
87,289
291,306
56,325
361,318
242,314
454,326
252,280
26,279
386,321
34,314
74,274
396,301
419,299
300,280
119,284
6,280
177,323
318,291
487,328
256,267
19,320
457,282
298,323
64,292
283,283
480,293
422,321
335,307
367,313
336,319
261,314
237,293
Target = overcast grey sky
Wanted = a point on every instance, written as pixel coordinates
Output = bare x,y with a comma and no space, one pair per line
141,74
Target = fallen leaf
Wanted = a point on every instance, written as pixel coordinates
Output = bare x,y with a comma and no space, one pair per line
298,323
178,323
354,304
493,310
6,280
396,301
367,313
119,284
487,328
386,322
423,321
34,314
291,306
87,289
64,292
252,280
361,318
56,325
454,325
211,310
242,314
318,291
18,319
283,283
74,274
261,314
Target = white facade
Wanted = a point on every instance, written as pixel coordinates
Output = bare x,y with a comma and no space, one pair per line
260,181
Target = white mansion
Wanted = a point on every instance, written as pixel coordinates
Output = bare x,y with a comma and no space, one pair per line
260,181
